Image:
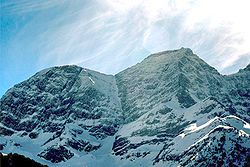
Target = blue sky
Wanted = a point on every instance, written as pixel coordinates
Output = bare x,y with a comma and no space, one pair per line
111,35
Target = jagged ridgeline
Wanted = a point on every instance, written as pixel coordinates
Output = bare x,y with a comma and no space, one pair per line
172,109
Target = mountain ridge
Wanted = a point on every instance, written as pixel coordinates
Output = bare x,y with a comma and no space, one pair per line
139,116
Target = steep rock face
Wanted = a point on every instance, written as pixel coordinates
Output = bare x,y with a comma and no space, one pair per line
170,109
238,93
166,94
172,75
167,134
62,103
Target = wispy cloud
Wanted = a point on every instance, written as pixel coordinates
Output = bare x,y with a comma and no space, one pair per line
26,6
109,35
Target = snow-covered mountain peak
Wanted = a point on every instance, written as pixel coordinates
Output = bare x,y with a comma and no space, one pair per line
178,61
175,53
172,75
172,109
62,110
171,56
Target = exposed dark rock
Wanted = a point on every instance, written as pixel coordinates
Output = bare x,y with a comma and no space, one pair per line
56,154
5,132
16,160
184,98
33,135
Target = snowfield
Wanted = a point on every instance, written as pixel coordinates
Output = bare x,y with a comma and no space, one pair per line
171,109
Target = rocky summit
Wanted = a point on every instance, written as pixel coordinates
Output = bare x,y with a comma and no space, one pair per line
172,109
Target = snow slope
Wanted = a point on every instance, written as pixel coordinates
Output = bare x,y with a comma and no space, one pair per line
172,109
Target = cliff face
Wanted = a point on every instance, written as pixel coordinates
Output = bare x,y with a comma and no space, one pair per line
170,109
61,109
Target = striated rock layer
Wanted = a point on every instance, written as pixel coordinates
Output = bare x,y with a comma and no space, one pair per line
172,109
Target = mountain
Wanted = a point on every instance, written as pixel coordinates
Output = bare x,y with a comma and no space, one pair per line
61,109
172,109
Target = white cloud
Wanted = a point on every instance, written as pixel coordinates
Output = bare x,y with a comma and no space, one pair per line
227,14
104,34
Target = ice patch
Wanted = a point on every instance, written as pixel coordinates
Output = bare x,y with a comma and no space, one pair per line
93,82
242,133
182,135
247,126
4,154
193,127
